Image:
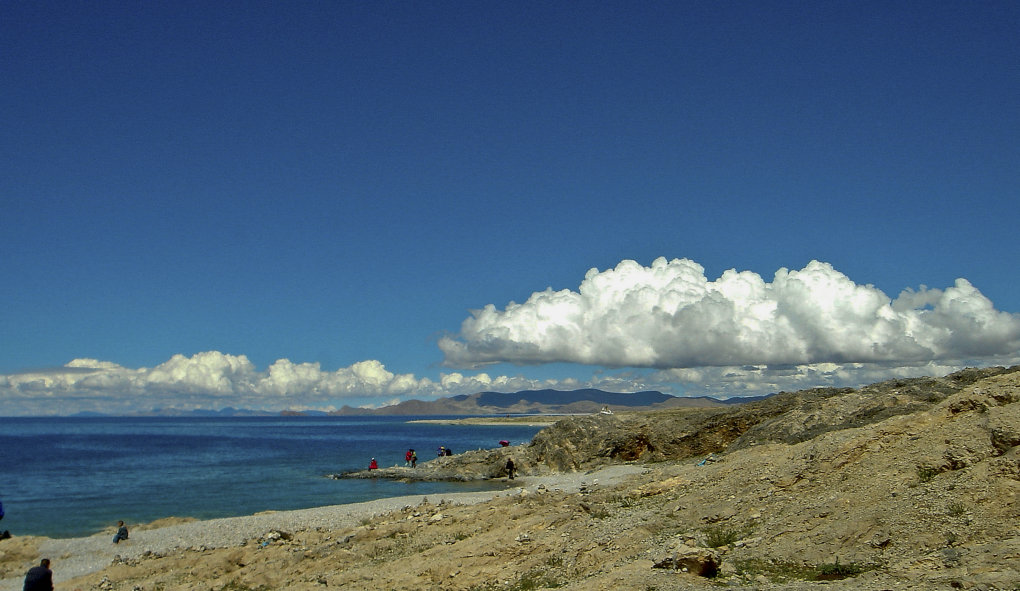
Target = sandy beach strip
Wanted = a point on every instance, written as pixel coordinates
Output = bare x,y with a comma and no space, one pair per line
535,421
73,557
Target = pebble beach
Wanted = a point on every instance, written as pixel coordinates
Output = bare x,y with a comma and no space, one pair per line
73,557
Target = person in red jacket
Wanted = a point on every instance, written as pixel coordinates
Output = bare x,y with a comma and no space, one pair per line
373,465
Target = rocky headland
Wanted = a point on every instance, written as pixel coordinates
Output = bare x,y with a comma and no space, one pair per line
906,484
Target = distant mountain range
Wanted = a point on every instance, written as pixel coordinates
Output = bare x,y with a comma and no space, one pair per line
527,402
541,402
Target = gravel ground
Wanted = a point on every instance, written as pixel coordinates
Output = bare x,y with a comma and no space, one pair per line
74,557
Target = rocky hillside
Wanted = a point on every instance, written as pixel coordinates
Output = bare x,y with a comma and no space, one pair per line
788,417
907,482
586,442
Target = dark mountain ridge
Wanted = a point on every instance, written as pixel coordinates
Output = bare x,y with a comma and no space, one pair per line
581,401
506,399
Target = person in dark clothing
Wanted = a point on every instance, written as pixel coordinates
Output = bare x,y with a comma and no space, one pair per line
39,578
510,468
5,535
122,533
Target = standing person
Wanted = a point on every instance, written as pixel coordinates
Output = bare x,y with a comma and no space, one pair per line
510,468
414,458
122,533
407,457
39,578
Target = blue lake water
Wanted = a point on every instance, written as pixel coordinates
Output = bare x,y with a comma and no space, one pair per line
73,476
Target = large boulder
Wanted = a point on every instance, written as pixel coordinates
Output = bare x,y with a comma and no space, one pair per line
703,562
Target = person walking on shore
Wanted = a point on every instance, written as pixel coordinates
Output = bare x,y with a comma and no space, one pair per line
39,578
414,458
510,468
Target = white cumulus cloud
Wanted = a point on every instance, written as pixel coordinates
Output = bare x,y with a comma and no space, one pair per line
669,315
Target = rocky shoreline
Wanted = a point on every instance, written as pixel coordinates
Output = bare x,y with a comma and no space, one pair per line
76,558
482,464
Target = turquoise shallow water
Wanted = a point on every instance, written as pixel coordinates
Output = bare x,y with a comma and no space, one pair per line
65,477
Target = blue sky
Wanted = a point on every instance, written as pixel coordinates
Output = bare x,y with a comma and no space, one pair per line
301,204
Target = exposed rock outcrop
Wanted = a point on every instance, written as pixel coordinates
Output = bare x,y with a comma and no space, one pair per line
482,464
703,562
585,442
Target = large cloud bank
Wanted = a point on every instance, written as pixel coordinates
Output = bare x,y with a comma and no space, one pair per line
669,315
214,380
666,327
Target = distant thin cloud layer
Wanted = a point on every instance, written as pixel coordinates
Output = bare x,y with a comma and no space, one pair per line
215,380
669,315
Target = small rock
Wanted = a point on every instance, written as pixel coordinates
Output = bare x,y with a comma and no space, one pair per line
880,541
951,557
